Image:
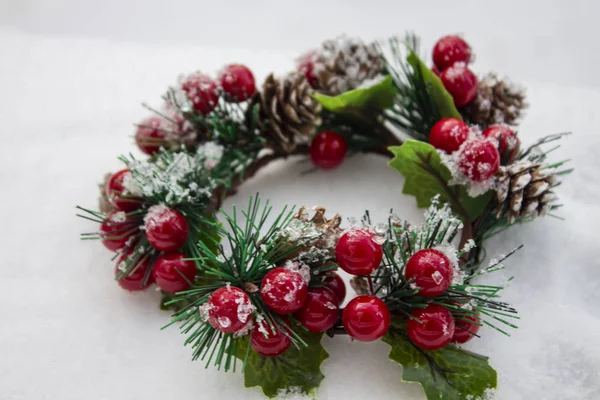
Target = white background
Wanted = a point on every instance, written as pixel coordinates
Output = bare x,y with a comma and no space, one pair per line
72,75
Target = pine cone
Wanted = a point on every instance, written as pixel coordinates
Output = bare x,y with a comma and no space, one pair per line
288,114
103,203
344,64
497,102
524,189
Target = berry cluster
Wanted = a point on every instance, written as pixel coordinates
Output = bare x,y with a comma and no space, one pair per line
478,156
451,57
235,83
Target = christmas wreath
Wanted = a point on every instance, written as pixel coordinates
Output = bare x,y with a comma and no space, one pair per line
257,292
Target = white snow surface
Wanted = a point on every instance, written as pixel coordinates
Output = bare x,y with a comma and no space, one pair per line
69,332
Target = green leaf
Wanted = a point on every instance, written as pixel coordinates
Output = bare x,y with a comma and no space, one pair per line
441,97
374,98
449,373
425,177
295,369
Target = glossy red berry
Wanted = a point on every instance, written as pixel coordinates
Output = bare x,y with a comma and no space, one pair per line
150,135
431,271
228,309
508,142
166,228
328,150
450,50
448,134
202,91
320,311
466,327
357,253
172,273
366,318
479,160
270,345
431,328
117,196
284,291
134,281
237,82
335,283
461,83
116,230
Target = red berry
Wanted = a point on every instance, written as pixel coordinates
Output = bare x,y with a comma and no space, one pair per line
335,283
166,229
115,230
357,253
238,82
436,71
306,67
328,150
450,50
433,327
135,280
448,134
202,91
228,309
320,311
172,273
150,135
508,142
366,318
461,83
479,160
117,195
431,270
275,343
284,291
465,330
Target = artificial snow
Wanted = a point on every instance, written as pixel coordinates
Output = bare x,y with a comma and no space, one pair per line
79,334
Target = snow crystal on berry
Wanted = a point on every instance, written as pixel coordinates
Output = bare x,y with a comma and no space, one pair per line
302,269
119,216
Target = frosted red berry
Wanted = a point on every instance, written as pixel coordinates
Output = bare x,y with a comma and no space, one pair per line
202,91
448,134
508,142
306,67
134,281
466,327
237,82
431,328
328,150
320,311
357,253
450,50
172,273
116,230
166,228
366,318
335,283
274,343
117,195
461,83
150,135
283,290
228,309
479,160
431,271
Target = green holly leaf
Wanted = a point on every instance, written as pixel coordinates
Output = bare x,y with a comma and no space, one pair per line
449,373
296,369
425,176
374,98
441,97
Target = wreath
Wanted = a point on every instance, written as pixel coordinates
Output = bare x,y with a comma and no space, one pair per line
257,290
